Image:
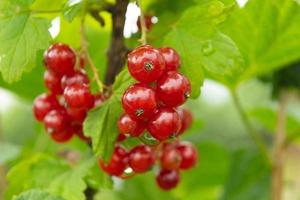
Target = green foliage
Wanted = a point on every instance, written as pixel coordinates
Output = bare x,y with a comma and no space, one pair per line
101,123
54,175
23,36
249,177
36,194
8,152
71,10
267,33
207,50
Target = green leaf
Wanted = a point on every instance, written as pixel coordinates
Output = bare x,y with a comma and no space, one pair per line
8,152
203,48
49,173
21,37
71,184
267,33
101,123
71,10
249,177
36,194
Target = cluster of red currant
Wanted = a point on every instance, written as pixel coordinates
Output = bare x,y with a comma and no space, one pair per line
152,104
65,106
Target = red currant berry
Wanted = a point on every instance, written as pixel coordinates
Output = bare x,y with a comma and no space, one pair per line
173,89
167,179
52,82
43,104
82,61
99,99
141,158
165,124
171,57
77,129
62,136
170,158
148,22
56,121
188,154
60,58
186,119
139,102
77,114
146,64
118,162
78,96
78,77
129,126
121,137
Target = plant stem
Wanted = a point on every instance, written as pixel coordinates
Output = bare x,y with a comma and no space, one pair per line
278,149
84,50
117,51
143,39
250,129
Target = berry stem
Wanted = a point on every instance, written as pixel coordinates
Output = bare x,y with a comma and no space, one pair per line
143,38
250,129
84,50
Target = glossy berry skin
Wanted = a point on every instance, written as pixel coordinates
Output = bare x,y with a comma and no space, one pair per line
145,64
57,121
52,82
121,137
78,96
165,124
77,130
118,162
77,114
170,158
141,158
79,77
60,59
62,136
43,104
167,179
171,57
188,154
99,99
173,89
186,119
129,126
148,22
139,102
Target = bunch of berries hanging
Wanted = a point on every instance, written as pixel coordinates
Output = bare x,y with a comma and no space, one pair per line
64,107
152,106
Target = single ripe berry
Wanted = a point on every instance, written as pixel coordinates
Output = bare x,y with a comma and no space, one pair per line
146,64
171,57
52,82
121,137
170,158
188,154
165,124
186,119
77,130
148,22
62,136
43,104
129,126
141,158
167,179
139,102
78,96
77,114
79,77
60,58
173,89
56,121
118,162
